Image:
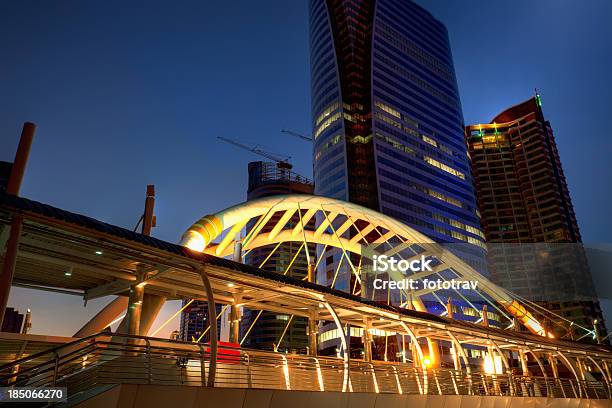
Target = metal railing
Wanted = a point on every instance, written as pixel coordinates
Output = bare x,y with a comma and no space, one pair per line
105,359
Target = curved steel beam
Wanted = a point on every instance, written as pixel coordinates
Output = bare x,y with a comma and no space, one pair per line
212,322
568,364
415,340
461,352
346,377
549,392
601,370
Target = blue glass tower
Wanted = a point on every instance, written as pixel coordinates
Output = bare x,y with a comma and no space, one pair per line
387,120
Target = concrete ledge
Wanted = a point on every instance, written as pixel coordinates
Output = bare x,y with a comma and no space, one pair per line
152,396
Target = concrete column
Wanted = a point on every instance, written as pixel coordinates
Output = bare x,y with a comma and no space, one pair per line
523,361
104,317
151,306
237,255
485,316
235,315
367,339
553,365
234,312
312,333
134,310
312,275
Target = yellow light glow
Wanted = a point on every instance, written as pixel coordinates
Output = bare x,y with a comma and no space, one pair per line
493,365
426,362
195,242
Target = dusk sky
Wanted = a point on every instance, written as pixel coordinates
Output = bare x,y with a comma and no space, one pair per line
126,95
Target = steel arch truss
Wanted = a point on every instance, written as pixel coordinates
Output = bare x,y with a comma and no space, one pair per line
353,230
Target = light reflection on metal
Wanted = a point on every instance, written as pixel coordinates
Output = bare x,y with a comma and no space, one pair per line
319,374
374,380
397,380
286,372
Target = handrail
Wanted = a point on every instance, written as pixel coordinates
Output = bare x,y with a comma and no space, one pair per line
107,358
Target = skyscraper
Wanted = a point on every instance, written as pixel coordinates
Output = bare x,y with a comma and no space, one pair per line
265,329
527,214
387,120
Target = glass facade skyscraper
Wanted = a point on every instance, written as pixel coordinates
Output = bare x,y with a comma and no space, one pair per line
387,120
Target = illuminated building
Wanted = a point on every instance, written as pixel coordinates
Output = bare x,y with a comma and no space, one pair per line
194,321
387,121
524,199
268,179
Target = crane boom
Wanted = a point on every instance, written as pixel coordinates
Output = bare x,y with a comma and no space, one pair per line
257,150
296,134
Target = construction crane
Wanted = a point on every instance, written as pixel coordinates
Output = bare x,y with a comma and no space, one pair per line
298,135
281,161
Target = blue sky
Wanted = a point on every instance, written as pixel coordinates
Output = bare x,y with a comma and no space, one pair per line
132,94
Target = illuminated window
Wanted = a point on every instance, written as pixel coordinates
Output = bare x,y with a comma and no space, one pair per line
444,167
388,109
429,140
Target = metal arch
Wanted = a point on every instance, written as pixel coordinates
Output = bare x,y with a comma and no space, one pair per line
461,352
202,233
212,319
603,373
415,340
506,364
346,379
537,359
569,365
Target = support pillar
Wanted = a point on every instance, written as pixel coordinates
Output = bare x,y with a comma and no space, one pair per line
235,316
134,310
9,263
454,352
14,185
553,365
151,307
485,316
312,333
104,317
311,273
367,339
234,312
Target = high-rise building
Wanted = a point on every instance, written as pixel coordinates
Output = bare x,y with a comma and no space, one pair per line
387,120
13,321
194,321
5,173
268,179
527,214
